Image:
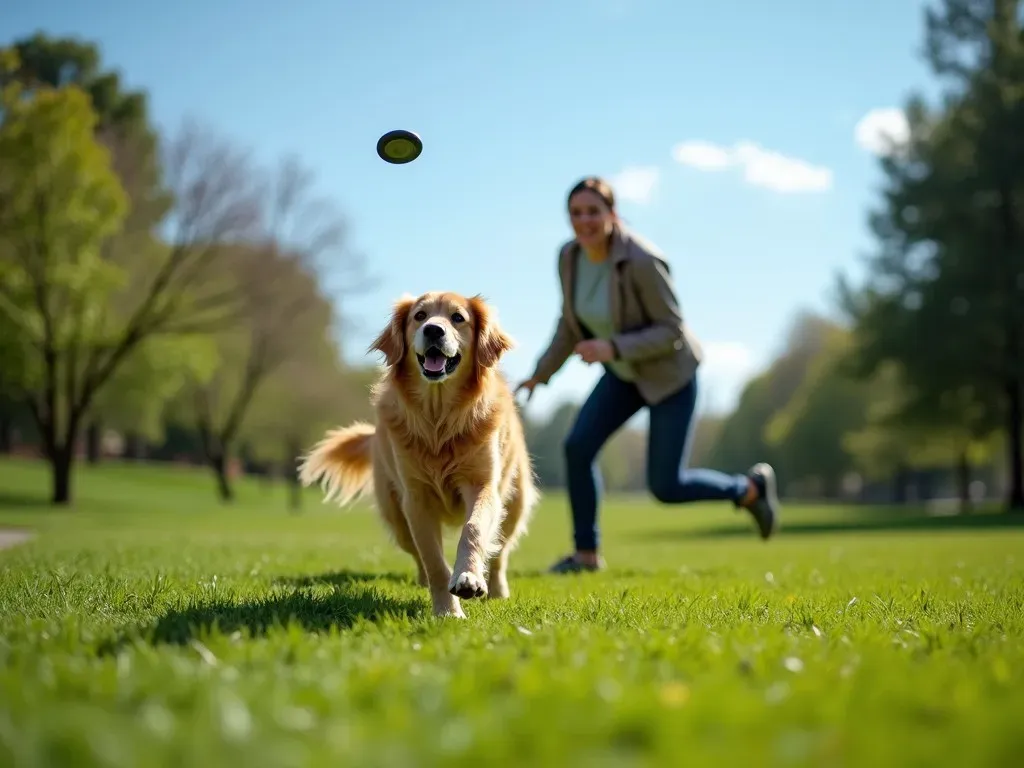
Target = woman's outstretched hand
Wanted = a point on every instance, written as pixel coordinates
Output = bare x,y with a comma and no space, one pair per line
528,385
595,351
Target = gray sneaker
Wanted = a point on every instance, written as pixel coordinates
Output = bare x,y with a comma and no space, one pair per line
569,564
765,508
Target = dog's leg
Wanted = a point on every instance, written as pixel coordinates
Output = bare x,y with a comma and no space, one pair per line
403,537
390,510
497,574
517,516
425,527
478,543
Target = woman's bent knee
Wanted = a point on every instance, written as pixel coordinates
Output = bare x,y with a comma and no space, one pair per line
663,483
577,450
663,491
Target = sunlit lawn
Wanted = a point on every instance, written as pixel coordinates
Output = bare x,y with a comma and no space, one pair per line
150,626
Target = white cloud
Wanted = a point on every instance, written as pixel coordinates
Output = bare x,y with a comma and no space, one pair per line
775,171
636,183
702,155
882,131
761,167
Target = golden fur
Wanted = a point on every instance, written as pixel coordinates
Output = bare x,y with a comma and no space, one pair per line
443,453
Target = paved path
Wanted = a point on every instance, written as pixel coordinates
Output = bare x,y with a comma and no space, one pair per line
12,537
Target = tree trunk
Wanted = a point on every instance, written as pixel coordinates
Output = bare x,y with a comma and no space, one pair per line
963,481
216,454
1015,443
899,488
830,487
61,459
59,453
266,482
133,447
93,443
292,475
295,495
925,486
6,434
225,492
1014,348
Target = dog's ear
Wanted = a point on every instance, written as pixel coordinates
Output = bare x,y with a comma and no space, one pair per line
491,341
391,340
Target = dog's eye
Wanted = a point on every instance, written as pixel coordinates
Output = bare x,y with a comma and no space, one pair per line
458,318
420,316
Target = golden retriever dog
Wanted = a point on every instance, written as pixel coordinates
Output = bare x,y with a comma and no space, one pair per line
447,449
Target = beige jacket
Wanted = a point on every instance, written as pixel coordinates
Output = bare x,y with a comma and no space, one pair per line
645,311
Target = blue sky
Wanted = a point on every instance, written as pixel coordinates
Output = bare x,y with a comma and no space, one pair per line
730,131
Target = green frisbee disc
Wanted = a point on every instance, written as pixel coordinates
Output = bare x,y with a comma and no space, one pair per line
399,147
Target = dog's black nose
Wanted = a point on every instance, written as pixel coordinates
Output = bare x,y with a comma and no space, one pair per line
433,332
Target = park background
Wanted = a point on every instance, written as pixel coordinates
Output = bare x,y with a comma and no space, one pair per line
198,242
763,176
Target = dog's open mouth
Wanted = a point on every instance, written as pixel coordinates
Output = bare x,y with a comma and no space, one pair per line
435,364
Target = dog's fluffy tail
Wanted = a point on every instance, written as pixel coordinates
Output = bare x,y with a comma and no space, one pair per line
342,463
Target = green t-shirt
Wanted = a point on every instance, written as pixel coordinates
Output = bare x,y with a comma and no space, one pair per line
592,301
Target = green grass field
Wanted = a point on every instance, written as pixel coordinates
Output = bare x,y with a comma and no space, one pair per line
151,626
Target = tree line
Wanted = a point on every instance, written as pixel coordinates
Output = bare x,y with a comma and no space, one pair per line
169,290
919,375
924,366
150,280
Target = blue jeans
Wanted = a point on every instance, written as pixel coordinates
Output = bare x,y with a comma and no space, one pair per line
611,404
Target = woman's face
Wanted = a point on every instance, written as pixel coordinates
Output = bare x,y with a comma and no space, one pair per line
591,218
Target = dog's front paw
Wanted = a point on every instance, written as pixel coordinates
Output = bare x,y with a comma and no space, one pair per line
447,606
448,612
467,585
497,586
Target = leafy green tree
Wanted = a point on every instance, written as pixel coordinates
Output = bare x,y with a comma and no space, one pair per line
59,201
742,438
128,287
14,358
135,399
706,434
122,127
945,296
285,314
884,447
808,431
306,396
903,432
79,315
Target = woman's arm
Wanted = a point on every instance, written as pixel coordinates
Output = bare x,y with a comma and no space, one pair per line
655,290
564,340
557,353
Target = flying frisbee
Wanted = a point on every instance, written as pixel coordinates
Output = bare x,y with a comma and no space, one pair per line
399,147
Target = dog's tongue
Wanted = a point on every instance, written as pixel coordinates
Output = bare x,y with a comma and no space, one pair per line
434,363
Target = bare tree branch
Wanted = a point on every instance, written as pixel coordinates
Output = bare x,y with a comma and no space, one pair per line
215,203
278,280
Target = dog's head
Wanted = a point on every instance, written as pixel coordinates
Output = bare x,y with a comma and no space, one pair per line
442,335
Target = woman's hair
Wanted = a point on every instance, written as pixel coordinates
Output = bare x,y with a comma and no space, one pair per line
598,186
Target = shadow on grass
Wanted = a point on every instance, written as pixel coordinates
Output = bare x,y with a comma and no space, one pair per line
345,578
860,521
21,500
354,602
